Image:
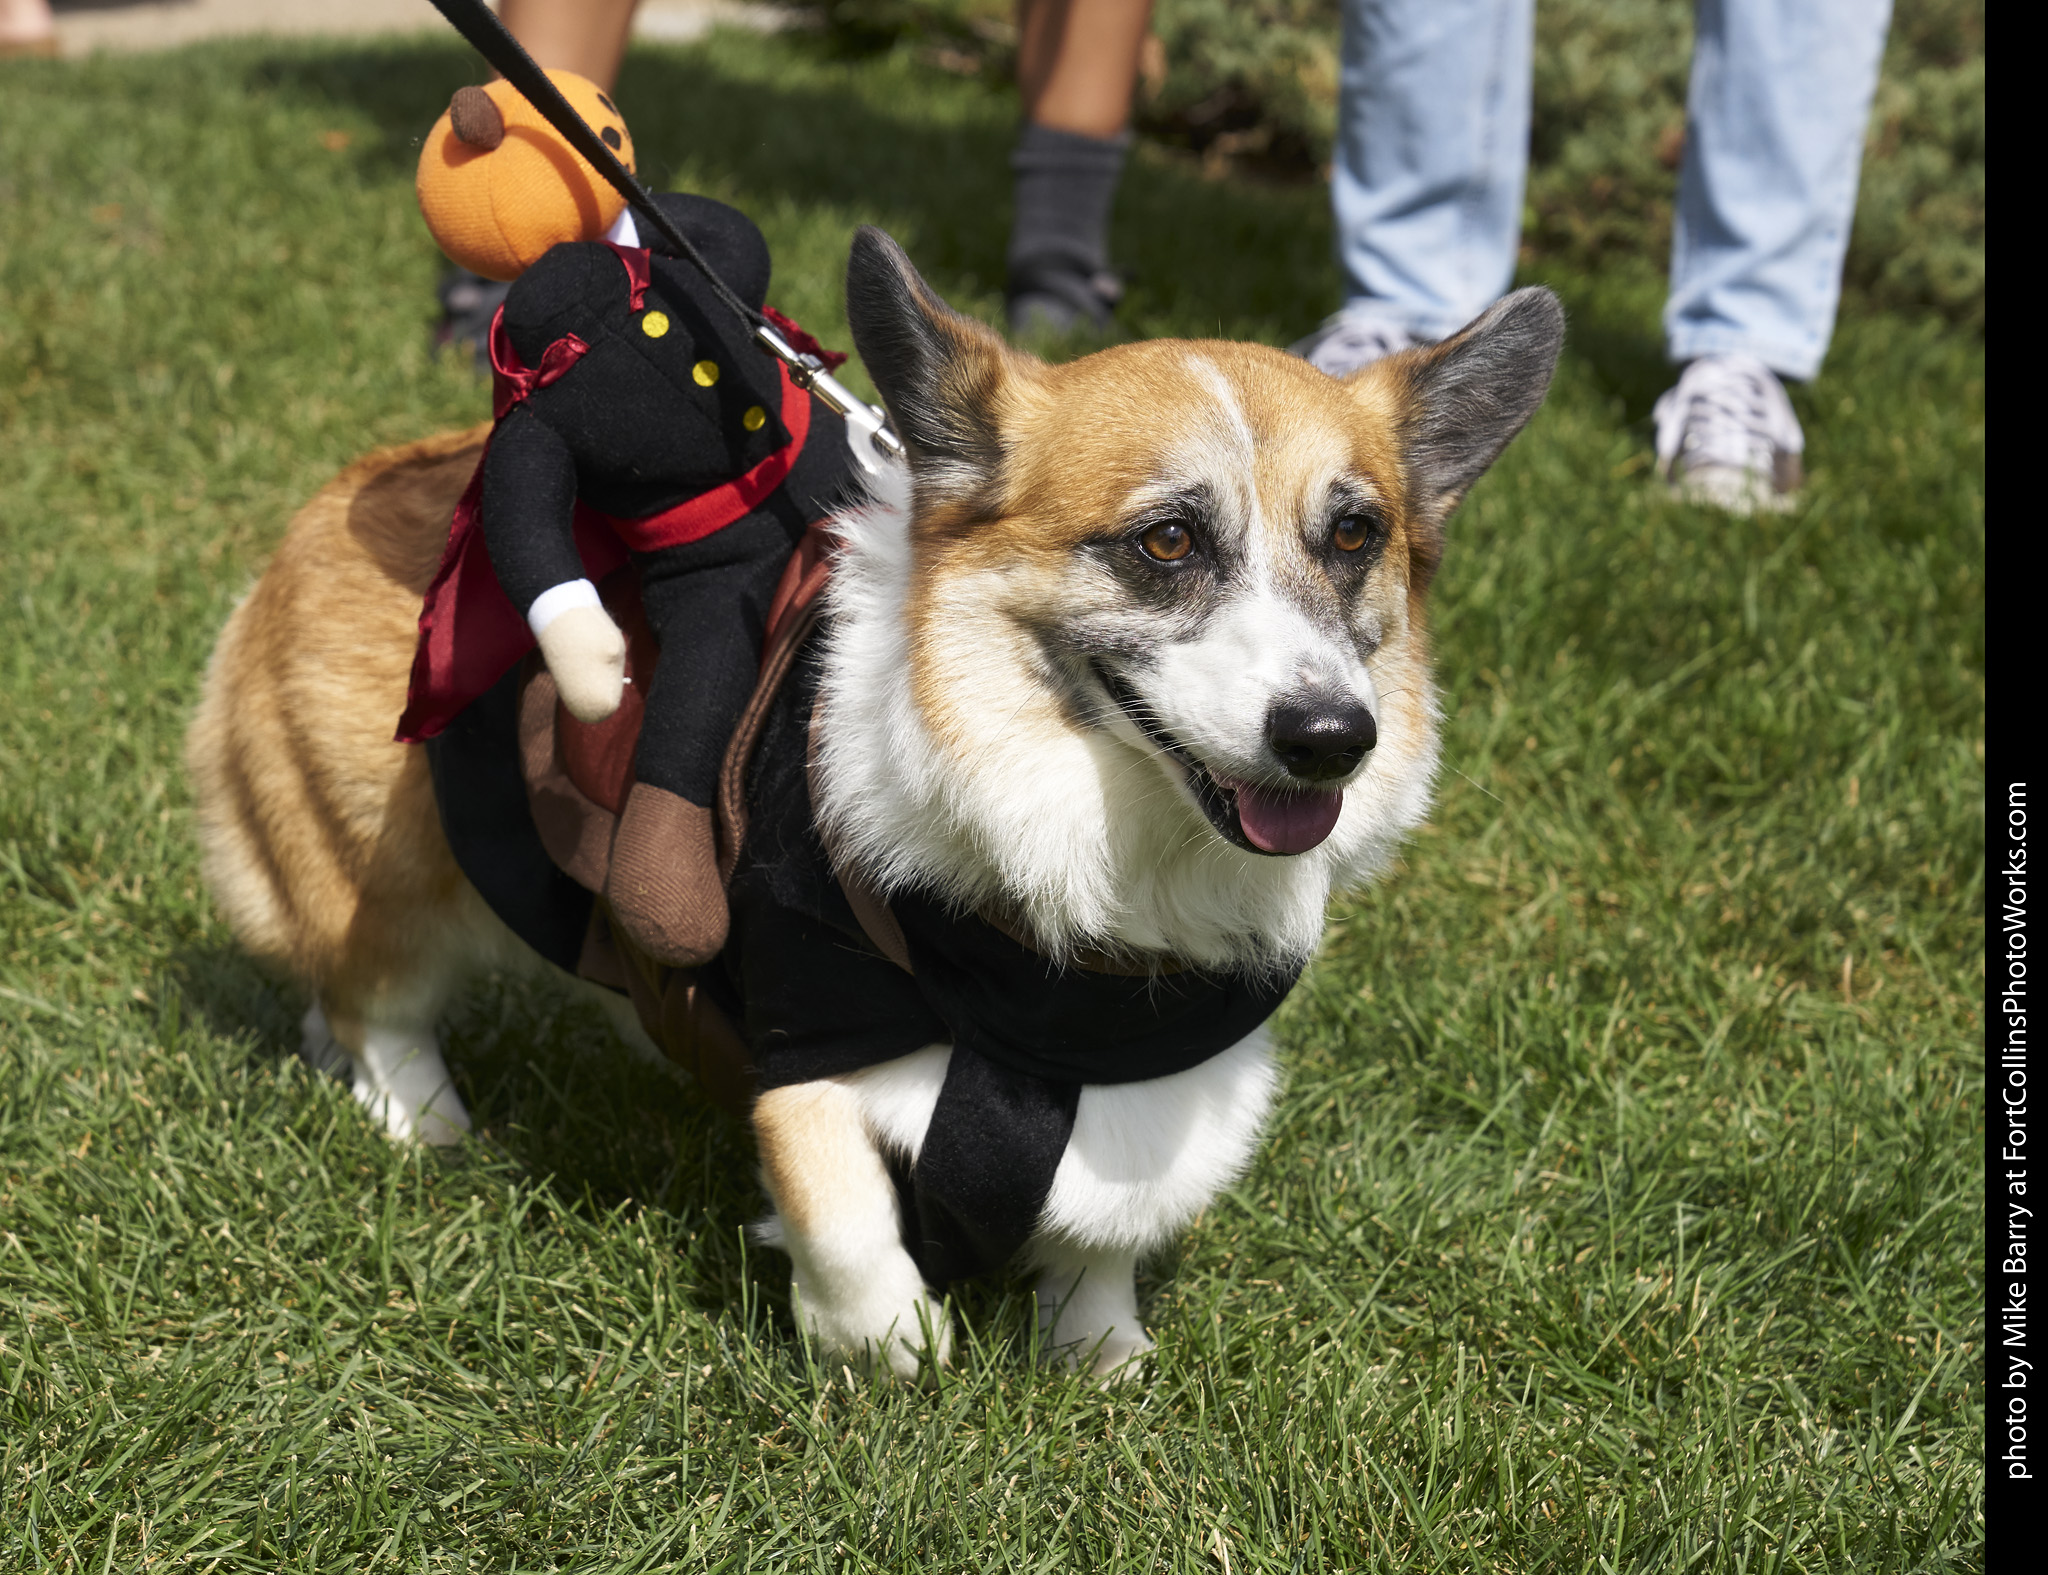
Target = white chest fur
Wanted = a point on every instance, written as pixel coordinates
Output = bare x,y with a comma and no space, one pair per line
1144,1158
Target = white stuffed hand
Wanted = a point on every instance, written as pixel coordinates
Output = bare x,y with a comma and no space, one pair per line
587,656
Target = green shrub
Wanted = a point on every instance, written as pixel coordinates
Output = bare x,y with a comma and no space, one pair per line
1258,77
1255,82
1919,238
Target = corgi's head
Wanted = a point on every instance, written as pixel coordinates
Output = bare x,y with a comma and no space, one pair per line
1136,644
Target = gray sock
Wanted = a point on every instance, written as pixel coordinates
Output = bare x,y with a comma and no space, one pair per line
1059,236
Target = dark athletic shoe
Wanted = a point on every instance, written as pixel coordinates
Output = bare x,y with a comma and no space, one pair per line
1055,301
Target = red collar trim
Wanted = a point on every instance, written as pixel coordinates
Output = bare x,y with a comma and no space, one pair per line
634,260
695,518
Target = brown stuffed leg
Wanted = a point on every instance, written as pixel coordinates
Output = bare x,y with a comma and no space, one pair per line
708,604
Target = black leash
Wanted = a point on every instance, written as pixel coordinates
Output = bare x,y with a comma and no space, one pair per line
490,38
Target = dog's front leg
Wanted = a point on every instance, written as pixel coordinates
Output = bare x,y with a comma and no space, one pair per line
855,1287
1088,1308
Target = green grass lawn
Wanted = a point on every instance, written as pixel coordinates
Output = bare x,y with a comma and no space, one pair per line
1624,1210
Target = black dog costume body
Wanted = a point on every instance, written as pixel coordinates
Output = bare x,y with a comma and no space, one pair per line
815,996
637,421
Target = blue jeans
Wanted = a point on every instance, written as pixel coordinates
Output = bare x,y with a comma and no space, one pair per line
1433,151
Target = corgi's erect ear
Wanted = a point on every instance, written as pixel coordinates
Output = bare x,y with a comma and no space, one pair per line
1462,400
943,376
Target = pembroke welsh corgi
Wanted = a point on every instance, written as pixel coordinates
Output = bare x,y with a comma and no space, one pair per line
1119,677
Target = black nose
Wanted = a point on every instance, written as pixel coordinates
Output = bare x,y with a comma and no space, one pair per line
1320,738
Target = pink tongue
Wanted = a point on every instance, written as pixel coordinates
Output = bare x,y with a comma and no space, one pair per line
1283,822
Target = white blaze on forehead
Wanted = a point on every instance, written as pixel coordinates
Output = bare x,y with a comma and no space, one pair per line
1220,451
1304,467
1210,376
1210,454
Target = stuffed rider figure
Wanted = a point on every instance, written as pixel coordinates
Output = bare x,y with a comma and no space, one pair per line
637,423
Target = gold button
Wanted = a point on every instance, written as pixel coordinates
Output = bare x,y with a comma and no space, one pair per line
705,372
654,324
755,418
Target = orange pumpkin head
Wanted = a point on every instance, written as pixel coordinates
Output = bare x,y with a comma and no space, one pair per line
499,186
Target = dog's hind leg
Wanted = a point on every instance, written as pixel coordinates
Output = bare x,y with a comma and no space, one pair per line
855,1287
319,833
1088,1308
400,1078
374,1027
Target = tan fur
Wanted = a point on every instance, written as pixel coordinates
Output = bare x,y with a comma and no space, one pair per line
318,832
813,1149
835,1209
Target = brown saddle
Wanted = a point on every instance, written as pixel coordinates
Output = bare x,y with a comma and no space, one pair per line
579,773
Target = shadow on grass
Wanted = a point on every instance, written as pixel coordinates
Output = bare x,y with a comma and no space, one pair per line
547,1083
551,1089
235,998
1613,329
546,1078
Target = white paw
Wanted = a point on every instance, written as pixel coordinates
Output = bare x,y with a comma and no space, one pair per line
1117,1357
401,1079
886,1315
586,656
1112,1354
1088,1316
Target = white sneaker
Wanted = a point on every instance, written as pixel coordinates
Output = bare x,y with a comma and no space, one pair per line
1726,436
1350,340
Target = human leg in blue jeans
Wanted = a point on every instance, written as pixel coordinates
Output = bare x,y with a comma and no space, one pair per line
1775,114
1432,151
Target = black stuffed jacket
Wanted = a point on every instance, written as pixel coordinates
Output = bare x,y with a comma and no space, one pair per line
669,400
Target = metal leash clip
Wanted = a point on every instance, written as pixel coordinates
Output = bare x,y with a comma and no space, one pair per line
867,426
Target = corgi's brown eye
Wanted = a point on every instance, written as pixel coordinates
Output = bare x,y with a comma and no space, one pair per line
1167,542
1351,533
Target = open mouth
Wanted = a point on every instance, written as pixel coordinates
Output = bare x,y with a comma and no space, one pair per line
1260,819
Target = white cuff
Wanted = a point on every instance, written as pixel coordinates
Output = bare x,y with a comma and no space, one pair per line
552,603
